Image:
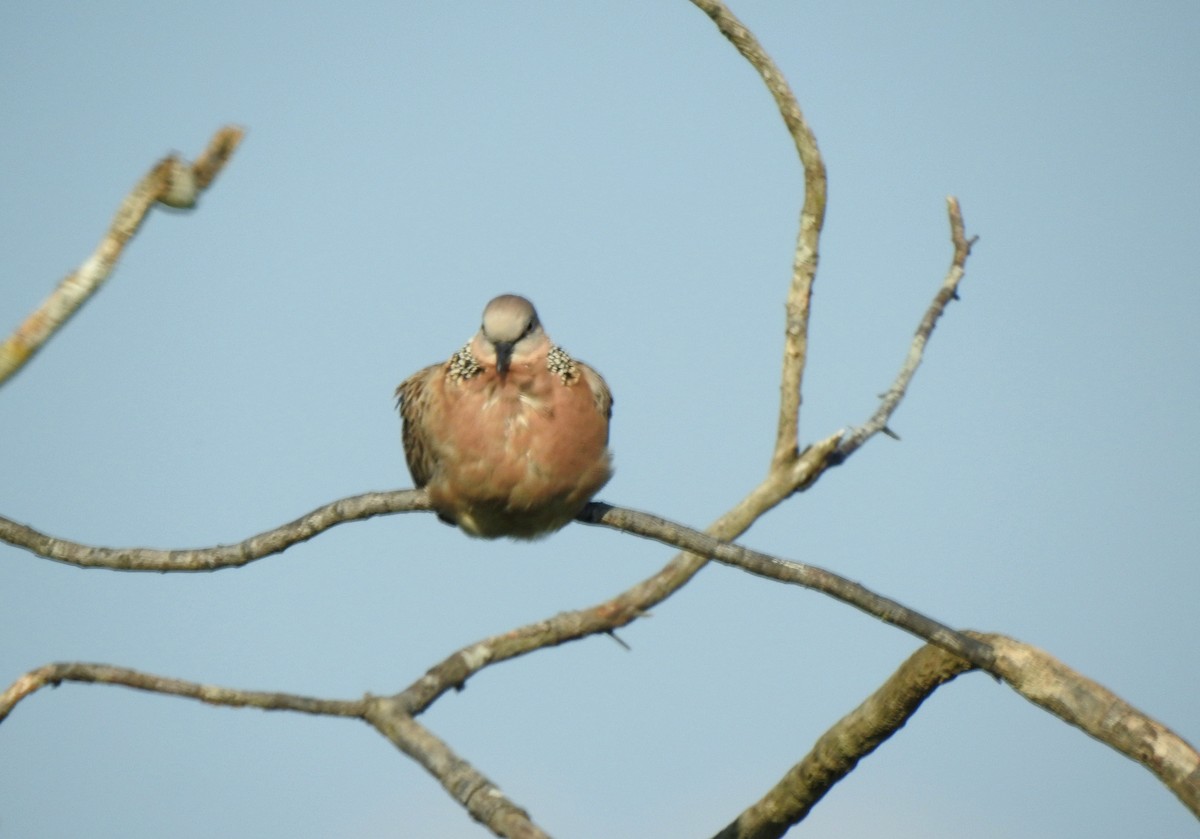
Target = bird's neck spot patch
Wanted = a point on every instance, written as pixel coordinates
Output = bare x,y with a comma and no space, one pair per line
463,365
562,365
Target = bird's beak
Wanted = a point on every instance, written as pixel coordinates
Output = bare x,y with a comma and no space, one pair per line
504,351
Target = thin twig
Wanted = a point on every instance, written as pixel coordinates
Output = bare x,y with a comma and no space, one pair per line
949,291
172,182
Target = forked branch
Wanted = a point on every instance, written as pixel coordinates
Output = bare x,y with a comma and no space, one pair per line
1033,673
479,796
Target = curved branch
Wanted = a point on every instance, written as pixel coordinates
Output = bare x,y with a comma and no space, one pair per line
55,674
603,618
812,219
1053,686
1033,673
264,544
948,292
172,182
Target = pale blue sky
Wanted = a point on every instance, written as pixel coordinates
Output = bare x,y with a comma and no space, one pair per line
622,166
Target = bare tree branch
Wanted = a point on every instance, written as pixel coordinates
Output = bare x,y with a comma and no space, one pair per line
466,785
790,470
840,748
172,182
1033,673
808,576
55,674
949,291
273,541
1072,697
812,219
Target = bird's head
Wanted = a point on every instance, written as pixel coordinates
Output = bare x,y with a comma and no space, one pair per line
511,328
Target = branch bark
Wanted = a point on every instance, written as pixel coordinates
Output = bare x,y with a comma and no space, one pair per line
840,749
812,219
477,794
1089,706
276,540
796,573
890,400
52,675
172,182
1033,673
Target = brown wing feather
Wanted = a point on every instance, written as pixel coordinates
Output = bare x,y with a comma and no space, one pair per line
412,397
600,391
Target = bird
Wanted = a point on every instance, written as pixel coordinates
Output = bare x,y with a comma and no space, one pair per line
509,437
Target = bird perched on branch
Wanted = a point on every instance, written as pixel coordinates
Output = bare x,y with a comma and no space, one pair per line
510,436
